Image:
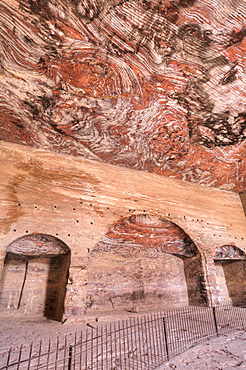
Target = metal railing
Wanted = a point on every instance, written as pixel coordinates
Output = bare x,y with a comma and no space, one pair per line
143,342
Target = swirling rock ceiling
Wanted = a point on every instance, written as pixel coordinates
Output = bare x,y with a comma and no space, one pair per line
146,233
154,85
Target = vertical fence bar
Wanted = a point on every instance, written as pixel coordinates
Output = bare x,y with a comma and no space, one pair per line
161,337
8,358
74,354
106,343
131,340
48,354
30,357
70,352
102,355
120,345
65,352
92,348
80,350
57,351
153,336
19,358
215,321
143,340
165,337
128,344
157,337
139,343
86,348
39,353
115,346
97,349
147,323
124,342
111,345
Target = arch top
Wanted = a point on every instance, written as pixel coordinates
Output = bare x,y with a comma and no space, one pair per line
147,233
38,244
229,252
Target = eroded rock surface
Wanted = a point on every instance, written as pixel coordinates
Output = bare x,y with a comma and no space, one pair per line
155,86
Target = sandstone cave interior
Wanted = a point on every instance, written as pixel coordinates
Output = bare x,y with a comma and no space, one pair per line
123,142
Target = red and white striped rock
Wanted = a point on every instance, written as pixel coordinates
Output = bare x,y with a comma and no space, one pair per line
155,86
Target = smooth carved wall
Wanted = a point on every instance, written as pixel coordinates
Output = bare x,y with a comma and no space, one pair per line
101,212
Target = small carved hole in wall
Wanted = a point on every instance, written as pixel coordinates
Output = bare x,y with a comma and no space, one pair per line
88,250
91,223
107,207
56,234
90,205
81,202
26,231
14,230
241,238
77,221
35,207
74,209
54,206
18,204
68,234
235,237
168,214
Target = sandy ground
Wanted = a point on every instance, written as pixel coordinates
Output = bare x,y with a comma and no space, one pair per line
225,352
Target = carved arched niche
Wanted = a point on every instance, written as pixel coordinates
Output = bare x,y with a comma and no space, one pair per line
34,276
145,261
230,264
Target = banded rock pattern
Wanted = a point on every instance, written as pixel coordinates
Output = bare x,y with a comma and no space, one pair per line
149,234
153,85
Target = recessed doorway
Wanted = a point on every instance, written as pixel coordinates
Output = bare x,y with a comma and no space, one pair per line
34,276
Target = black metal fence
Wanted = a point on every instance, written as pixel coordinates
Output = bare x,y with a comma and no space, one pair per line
143,342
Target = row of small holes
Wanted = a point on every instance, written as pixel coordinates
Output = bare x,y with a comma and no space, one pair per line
92,224
133,210
130,210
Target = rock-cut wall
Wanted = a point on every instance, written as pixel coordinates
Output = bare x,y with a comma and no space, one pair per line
130,239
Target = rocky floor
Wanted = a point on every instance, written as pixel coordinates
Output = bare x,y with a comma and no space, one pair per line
225,352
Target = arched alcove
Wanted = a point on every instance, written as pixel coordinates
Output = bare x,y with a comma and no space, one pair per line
145,261
34,276
230,265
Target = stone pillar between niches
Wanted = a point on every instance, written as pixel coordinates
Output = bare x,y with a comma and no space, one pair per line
75,301
211,285
2,257
221,280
